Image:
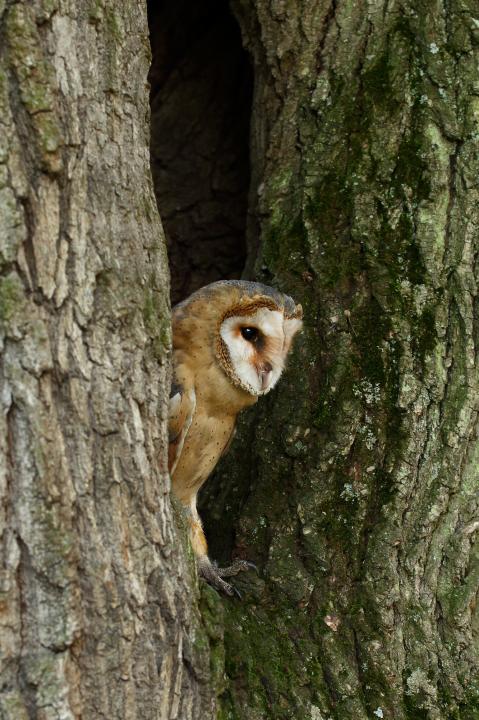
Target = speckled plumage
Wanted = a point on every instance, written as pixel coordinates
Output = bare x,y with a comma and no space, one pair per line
217,373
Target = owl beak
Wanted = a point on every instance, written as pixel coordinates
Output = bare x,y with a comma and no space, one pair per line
265,374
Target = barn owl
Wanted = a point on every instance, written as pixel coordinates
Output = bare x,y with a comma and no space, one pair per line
230,343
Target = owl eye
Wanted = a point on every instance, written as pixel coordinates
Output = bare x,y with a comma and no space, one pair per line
249,333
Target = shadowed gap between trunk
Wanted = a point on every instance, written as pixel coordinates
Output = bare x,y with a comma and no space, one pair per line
201,95
201,98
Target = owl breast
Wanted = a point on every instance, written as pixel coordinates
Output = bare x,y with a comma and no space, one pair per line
204,444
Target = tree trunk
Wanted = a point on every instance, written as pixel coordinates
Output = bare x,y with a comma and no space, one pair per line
97,608
353,485
357,495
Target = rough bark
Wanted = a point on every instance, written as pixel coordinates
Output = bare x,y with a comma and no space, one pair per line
356,481
354,486
97,617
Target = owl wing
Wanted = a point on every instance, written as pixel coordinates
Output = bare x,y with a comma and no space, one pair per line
228,444
182,409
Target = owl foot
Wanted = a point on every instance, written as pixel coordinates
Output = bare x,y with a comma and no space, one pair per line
214,575
236,567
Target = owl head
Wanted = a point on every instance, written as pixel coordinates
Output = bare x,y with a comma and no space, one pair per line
247,327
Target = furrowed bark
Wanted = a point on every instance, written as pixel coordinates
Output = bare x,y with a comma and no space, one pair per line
97,606
354,485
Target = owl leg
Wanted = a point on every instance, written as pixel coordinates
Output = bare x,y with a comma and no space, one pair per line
207,569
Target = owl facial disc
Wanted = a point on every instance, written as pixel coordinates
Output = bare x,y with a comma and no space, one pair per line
257,345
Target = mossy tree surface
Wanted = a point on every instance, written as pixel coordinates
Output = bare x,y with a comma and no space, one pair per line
359,496
97,617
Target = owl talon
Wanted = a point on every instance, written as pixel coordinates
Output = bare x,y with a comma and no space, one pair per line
236,567
212,575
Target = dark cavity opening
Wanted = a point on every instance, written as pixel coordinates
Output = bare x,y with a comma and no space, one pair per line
201,95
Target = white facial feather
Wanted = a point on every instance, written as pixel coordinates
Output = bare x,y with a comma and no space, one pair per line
277,332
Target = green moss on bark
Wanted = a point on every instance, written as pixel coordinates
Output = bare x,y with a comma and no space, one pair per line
358,223
12,297
35,82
